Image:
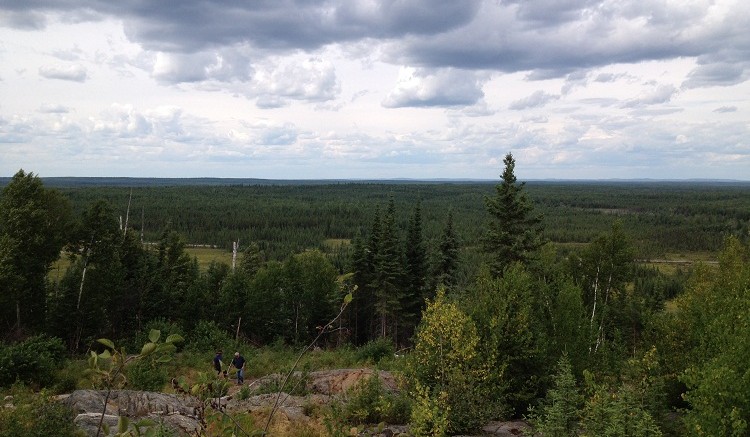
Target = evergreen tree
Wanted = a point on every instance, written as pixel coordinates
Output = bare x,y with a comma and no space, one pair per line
446,266
415,277
514,234
388,276
559,413
34,225
252,259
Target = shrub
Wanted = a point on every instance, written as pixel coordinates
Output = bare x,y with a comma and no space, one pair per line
40,417
208,336
558,414
161,325
144,375
32,361
375,350
369,402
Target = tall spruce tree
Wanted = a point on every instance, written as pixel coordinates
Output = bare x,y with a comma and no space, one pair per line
415,275
446,265
388,276
515,233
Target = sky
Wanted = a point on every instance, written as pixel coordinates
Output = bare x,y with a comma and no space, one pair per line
376,89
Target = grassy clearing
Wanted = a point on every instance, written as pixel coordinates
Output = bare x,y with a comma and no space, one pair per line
207,254
336,243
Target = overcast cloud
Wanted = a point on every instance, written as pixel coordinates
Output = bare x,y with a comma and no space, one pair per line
375,88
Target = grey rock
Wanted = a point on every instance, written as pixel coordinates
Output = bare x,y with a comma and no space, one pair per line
178,412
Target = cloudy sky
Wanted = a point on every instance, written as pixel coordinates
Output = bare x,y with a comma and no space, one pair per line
300,89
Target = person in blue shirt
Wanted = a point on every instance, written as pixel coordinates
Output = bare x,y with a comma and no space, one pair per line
239,363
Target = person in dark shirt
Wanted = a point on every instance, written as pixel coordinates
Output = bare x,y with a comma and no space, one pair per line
239,363
219,365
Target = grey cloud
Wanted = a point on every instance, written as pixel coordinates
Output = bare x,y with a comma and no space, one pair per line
718,74
445,87
75,73
195,25
660,94
722,109
549,38
504,38
551,12
535,100
24,20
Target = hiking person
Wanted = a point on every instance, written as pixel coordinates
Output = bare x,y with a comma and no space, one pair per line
219,365
239,362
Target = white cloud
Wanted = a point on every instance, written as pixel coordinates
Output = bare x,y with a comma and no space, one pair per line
75,73
443,87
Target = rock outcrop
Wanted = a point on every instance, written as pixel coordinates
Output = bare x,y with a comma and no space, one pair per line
177,412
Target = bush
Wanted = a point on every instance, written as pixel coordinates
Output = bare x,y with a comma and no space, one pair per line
40,417
162,325
447,379
376,350
32,361
144,375
368,402
208,336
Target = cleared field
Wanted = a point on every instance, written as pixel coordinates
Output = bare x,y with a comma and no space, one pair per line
207,254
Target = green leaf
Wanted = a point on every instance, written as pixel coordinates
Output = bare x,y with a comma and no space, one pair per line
106,342
164,359
148,348
175,338
348,298
105,355
122,424
154,335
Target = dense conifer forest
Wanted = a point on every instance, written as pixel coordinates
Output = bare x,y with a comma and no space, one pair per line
538,301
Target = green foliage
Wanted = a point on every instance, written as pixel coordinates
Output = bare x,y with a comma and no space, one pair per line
159,324
208,336
368,403
630,409
34,226
33,361
144,375
376,350
514,233
444,370
430,414
715,310
558,414
507,316
39,416
446,263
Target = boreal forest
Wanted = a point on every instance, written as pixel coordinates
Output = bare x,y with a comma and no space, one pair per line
612,308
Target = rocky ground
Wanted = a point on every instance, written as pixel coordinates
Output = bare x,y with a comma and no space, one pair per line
181,412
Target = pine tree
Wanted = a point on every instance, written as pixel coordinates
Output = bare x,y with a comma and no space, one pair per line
388,275
252,259
447,259
515,233
415,277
